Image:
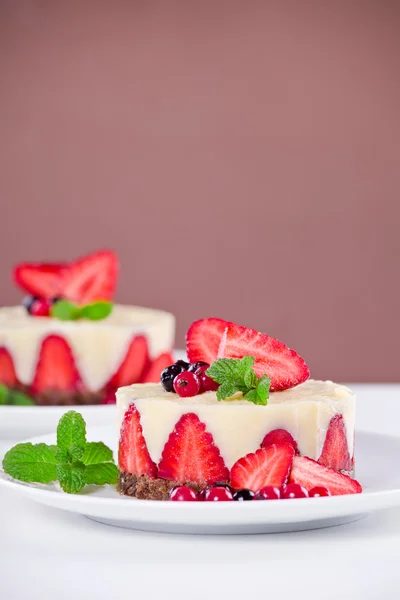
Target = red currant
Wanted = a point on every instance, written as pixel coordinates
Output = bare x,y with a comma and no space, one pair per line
294,490
318,492
217,494
183,493
269,492
187,384
109,398
206,383
40,307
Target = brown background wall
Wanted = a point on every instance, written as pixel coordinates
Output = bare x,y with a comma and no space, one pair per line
242,158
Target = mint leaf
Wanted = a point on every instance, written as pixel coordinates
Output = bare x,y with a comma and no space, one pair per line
71,430
237,375
96,452
34,463
65,310
226,390
3,394
97,310
101,474
71,477
19,399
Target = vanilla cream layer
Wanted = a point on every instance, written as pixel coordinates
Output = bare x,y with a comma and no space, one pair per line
238,427
99,347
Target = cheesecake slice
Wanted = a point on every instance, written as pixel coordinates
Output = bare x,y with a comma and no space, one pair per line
308,412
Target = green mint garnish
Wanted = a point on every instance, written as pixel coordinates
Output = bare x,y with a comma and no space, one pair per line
73,462
14,397
68,311
97,310
237,375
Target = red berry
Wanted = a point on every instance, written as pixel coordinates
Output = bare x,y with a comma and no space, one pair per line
217,494
318,492
294,490
206,383
268,492
187,384
183,493
109,398
40,307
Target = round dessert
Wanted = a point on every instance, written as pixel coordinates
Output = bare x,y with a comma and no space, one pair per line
70,344
265,424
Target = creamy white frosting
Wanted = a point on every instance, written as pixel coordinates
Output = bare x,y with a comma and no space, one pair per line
99,347
238,427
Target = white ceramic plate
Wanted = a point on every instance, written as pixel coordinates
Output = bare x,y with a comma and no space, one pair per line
377,470
19,422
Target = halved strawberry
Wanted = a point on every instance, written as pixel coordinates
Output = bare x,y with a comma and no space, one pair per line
91,278
335,452
133,455
308,473
40,279
8,375
56,368
266,466
163,361
279,436
134,365
191,455
283,366
203,339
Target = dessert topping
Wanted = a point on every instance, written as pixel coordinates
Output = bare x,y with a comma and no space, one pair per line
294,490
237,375
309,473
318,492
217,494
279,436
268,492
243,495
73,461
168,375
12,397
209,339
56,369
187,384
69,311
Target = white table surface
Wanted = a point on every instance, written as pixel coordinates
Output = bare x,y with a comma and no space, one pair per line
50,554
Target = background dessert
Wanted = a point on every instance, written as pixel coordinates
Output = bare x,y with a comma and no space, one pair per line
69,344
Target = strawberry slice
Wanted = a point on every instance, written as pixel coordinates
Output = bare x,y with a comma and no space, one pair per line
135,363
40,279
191,455
266,466
8,375
133,455
56,368
91,278
309,473
335,452
283,365
279,436
159,364
203,339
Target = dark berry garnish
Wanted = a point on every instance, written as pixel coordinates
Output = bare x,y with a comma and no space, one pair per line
200,363
182,363
168,375
318,492
186,384
37,307
243,495
217,494
56,299
183,493
269,492
294,490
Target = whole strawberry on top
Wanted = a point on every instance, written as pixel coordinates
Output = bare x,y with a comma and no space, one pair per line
240,420
68,343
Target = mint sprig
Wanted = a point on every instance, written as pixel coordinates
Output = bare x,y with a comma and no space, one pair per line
64,310
73,461
11,397
237,375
